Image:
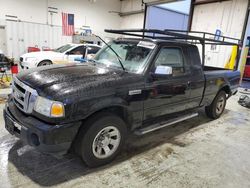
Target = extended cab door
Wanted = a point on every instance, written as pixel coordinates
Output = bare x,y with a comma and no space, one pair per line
167,94
197,79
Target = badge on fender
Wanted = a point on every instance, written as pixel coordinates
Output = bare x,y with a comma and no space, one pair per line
134,92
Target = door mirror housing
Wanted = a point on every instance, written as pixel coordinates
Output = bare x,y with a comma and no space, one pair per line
162,71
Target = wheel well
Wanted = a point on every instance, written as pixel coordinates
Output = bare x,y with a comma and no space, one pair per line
226,89
120,111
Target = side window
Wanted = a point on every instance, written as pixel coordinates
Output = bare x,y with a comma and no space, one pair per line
81,50
93,49
171,57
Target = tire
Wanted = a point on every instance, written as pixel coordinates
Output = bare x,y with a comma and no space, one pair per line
43,63
101,139
217,107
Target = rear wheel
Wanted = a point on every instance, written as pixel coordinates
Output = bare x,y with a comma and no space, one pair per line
217,107
102,140
43,63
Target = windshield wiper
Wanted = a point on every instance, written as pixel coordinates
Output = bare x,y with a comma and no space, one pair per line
118,57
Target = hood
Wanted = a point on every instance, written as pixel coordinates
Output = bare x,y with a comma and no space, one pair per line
43,54
59,81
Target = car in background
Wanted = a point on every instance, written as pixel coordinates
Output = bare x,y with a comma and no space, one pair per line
65,53
247,69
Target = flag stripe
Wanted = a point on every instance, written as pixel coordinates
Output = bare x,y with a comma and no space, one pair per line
68,24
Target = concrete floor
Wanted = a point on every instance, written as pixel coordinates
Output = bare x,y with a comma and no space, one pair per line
196,153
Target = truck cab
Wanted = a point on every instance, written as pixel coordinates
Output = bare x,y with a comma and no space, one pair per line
133,85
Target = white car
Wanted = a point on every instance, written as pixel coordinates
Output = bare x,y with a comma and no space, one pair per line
66,53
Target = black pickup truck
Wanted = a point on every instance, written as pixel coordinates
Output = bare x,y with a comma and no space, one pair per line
133,85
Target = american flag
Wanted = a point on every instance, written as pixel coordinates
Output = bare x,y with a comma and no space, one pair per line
68,24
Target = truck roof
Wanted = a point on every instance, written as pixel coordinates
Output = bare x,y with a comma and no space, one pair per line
156,41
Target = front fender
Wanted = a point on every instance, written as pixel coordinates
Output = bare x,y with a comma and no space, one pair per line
86,108
108,102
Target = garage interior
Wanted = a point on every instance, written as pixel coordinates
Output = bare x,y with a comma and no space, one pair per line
197,152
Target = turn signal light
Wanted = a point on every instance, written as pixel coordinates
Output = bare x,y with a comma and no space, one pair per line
57,110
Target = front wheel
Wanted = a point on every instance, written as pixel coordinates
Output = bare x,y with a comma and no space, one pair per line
43,63
102,140
217,107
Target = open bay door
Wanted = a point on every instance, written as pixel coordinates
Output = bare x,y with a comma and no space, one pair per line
133,12
167,15
157,2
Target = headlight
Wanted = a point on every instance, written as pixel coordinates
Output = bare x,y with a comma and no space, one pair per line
31,59
49,108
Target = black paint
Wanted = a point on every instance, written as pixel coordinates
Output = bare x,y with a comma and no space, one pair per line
88,88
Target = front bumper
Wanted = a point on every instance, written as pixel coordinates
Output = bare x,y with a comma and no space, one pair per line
47,138
27,65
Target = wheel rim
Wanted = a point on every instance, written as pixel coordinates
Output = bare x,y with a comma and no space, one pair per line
45,63
106,142
220,105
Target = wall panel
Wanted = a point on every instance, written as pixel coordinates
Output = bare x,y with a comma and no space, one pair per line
226,16
21,35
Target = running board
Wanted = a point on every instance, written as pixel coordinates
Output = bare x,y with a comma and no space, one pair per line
161,125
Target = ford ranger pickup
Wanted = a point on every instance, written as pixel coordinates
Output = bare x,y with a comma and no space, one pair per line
133,85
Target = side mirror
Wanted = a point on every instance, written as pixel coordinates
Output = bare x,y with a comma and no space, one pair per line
162,71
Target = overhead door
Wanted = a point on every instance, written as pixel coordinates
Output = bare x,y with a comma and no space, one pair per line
156,2
161,18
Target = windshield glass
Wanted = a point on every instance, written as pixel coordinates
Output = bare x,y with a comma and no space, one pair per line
64,48
134,55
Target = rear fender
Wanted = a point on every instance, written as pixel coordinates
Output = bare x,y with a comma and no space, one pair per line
214,88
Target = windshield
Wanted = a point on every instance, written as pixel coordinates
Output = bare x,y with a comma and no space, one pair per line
64,48
134,55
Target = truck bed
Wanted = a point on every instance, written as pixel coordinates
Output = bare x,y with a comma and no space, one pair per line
209,68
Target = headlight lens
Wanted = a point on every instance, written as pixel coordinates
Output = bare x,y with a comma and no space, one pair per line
49,108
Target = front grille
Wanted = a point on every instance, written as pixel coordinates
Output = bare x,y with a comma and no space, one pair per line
19,87
24,96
